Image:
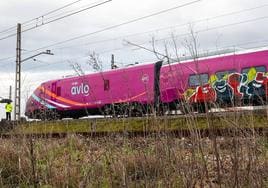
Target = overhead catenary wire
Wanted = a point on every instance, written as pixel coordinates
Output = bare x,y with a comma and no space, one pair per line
39,21
115,49
67,15
42,16
206,29
159,29
114,26
257,7
141,18
165,28
56,19
60,8
185,34
70,14
218,27
72,11
198,31
118,25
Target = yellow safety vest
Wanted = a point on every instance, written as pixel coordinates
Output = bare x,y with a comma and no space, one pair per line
8,107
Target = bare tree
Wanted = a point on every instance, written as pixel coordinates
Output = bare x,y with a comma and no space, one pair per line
77,68
95,62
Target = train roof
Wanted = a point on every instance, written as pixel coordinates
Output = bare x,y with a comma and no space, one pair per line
217,54
187,59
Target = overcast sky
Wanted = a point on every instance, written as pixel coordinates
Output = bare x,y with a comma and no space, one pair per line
242,24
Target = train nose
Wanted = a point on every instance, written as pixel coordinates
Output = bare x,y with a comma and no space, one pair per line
29,108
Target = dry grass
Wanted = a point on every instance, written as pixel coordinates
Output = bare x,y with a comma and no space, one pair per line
153,161
160,161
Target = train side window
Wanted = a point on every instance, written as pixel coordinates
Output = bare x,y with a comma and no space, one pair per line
258,69
194,80
106,85
221,74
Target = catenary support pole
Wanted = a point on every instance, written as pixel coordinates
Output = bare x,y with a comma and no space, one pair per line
18,75
112,62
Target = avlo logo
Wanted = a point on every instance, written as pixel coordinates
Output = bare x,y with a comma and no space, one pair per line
80,89
145,78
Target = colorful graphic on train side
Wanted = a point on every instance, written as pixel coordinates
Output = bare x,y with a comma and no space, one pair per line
242,86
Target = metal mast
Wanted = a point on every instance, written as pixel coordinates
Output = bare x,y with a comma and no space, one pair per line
18,75
112,62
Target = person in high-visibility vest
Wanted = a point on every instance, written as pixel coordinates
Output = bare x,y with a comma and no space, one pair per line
8,111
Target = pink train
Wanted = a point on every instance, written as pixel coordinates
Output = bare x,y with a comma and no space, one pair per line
223,80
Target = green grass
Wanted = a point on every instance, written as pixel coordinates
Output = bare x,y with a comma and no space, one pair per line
143,124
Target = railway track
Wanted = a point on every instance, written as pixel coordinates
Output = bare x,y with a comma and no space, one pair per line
229,112
209,133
